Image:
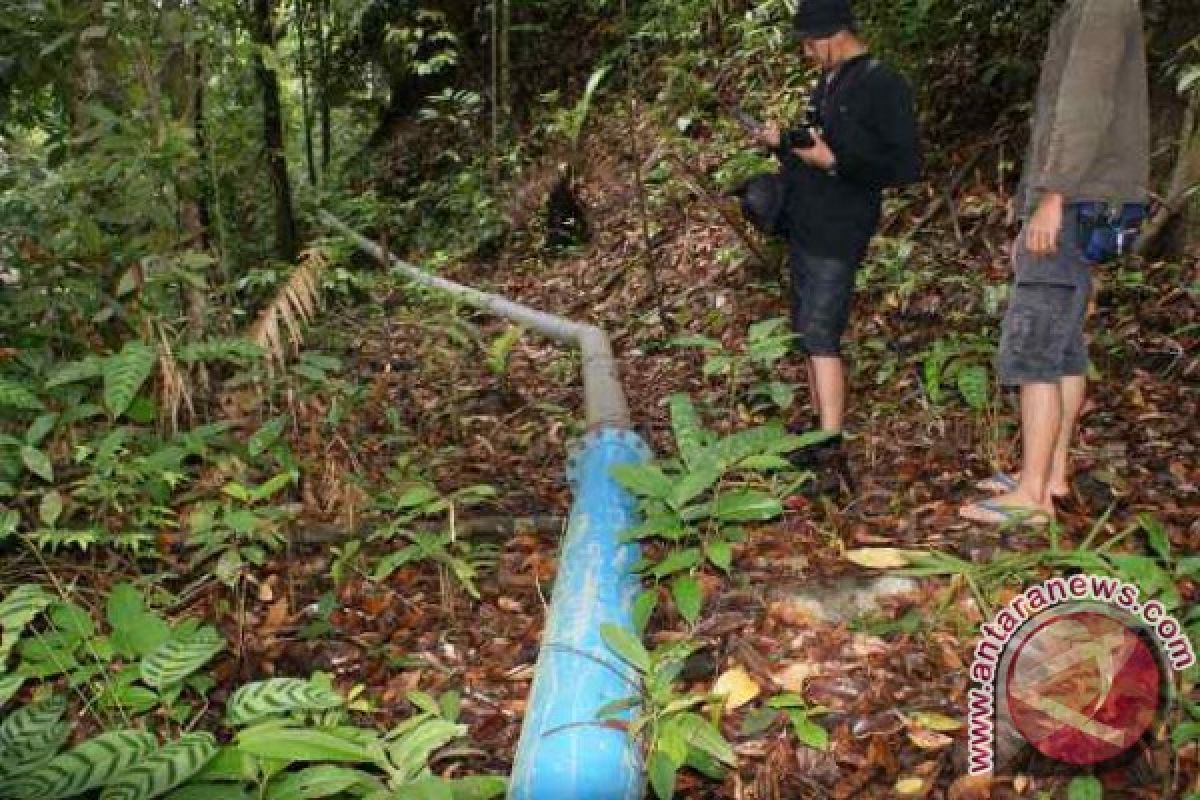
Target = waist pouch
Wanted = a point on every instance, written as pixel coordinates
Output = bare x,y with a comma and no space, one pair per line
1105,232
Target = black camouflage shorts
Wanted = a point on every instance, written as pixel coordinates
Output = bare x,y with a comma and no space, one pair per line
822,292
1042,339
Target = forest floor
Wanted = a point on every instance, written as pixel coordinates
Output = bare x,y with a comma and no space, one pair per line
893,671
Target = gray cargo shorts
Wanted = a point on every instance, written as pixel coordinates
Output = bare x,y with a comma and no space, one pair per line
1042,338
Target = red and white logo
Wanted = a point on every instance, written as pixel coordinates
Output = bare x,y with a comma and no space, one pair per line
1079,668
1083,687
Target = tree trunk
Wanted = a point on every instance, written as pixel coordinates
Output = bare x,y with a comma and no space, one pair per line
1184,178
202,144
495,70
323,80
181,79
263,28
91,75
505,69
301,19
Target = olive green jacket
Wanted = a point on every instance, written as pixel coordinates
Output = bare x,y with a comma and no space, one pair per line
1091,124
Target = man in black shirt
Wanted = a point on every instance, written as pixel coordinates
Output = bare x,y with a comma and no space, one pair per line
861,138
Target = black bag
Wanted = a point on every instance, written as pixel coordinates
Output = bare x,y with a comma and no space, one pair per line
764,201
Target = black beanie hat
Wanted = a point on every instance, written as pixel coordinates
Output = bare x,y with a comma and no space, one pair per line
820,19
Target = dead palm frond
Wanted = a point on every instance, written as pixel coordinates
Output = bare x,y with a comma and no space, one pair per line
174,388
279,327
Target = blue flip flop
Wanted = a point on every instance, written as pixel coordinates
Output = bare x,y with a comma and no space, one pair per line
1000,482
996,514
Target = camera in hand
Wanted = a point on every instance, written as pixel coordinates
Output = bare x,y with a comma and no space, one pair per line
797,138
801,136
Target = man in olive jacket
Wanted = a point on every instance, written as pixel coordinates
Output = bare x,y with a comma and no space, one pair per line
1090,145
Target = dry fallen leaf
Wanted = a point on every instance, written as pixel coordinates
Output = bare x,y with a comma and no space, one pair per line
793,677
878,557
798,611
910,787
971,787
935,721
737,687
929,740
277,616
864,645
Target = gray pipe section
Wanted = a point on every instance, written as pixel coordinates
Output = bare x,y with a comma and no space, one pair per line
603,397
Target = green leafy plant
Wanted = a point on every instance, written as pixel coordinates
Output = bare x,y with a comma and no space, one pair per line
800,715
752,368
158,661
240,529
1188,730
454,555
460,559
570,122
426,47
500,349
291,737
1085,787
962,363
667,724
695,505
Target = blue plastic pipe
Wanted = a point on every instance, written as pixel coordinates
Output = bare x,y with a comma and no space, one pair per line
565,751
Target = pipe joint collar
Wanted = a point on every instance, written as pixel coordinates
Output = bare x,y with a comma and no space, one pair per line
605,439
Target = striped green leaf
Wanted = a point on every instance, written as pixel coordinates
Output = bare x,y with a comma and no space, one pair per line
32,753
235,351
30,722
690,438
255,701
31,735
88,766
38,463
40,429
478,787
165,769
124,375
17,610
973,385
178,658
